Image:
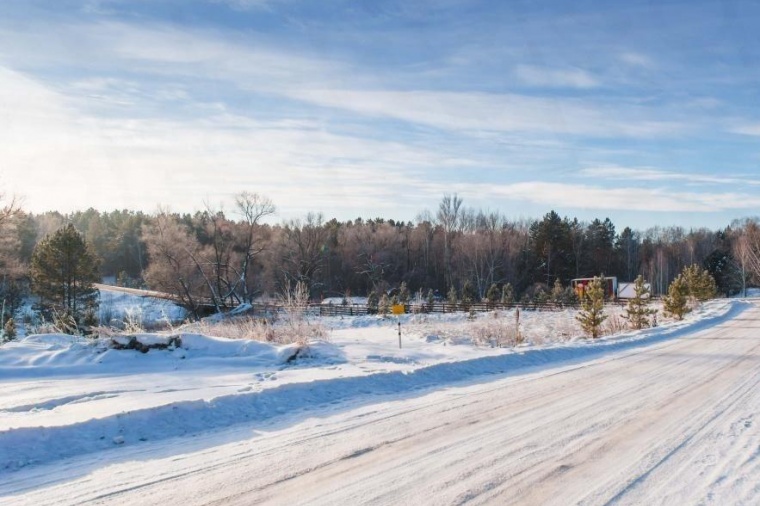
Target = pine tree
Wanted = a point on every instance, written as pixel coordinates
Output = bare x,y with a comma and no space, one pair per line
452,297
403,293
541,295
638,312
507,294
676,302
570,297
372,301
430,297
384,305
63,270
469,295
558,293
592,314
700,282
493,294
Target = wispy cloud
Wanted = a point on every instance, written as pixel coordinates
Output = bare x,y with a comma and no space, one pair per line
752,129
579,196
495,112
555,78
328,108
220,152
166,51
650,174
637,59
247,4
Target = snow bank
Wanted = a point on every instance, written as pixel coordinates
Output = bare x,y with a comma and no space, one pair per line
22,446
62,354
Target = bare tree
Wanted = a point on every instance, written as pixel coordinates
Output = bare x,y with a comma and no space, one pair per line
219,255
449,218
303,248
253,208
9,210
12,268
748,249
482,248
173,268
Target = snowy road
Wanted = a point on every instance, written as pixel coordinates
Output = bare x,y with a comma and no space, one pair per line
672,423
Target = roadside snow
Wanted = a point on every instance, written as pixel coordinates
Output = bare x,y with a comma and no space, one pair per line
63,396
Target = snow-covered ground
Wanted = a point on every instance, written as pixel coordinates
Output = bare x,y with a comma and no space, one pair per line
120,307
65,397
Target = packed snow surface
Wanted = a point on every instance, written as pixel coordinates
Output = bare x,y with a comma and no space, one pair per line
73,411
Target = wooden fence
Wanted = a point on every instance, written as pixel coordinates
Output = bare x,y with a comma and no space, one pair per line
269,310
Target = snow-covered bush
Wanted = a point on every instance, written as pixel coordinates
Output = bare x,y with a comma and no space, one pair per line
564,329
614,324
9,330
59,323
291,325
496,332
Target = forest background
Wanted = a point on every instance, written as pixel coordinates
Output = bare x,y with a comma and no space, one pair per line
230,257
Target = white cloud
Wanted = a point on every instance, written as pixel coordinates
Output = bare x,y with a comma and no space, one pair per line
170,53
165,52
555,78
580,196
494,112
649,174
752,129
637,60
60,158
247,4
137,156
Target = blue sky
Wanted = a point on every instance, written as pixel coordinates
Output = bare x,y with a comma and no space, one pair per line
644,112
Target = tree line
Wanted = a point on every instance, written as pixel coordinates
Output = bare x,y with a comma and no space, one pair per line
224,258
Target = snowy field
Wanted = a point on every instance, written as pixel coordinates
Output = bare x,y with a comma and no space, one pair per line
65,399
117,307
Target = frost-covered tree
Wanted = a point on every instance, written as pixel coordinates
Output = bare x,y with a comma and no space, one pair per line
9,330
63,270
638,312
13,271
558,293
540,294
430,297
493,294
384,305
403,293
507,294
373,301
469,294
592,314
452,296
570,297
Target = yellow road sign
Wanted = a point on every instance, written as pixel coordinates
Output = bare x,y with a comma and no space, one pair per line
398,309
